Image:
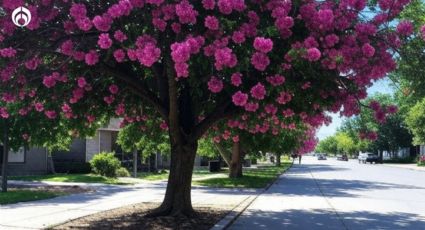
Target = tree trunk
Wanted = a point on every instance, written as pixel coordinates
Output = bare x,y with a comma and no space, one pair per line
135,163
235,168
224,153
177,200
278,159
5,158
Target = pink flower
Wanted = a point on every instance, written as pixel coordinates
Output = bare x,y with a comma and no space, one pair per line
325,17
258,91
208,4
49,81
91,57
113,89
4,113
211,23
50,114
163,125
263,45
236,79
81,82
104,41
392,109
276,80
119,55
109,99
225,58
368,50
260,61
235,139
239,98
313,54
33,63
215,85
39,107
66,108
8,52
120,36
78,11
405,28
102,23
251,107
238,37
186,12
148,55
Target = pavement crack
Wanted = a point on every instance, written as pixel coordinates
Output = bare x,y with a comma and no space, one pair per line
339,216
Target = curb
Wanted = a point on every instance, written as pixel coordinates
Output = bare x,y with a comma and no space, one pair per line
231,217
401,167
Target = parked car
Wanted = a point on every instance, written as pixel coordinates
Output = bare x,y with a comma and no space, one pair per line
321,157
342,157
368,157
372,158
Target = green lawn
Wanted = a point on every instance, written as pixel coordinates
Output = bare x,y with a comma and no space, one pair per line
163,175
15,196
86,178
252,178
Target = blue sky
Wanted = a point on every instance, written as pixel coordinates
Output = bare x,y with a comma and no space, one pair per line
381,86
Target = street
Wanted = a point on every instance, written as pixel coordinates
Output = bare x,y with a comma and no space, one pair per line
333,194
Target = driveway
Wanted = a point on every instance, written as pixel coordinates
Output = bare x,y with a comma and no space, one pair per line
340,195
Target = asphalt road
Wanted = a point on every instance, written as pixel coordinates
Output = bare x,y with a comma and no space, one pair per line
340,195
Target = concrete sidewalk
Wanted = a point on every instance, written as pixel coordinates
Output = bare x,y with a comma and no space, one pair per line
406,166
45,213
280,207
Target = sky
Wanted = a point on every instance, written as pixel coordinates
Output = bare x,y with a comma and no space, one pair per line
381,86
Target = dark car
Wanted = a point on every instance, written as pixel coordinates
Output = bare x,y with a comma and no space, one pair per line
321,157
342,158
372,158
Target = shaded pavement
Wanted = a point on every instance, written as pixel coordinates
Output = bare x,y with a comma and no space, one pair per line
340,195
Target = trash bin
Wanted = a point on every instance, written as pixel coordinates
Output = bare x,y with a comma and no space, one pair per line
247,163
214,166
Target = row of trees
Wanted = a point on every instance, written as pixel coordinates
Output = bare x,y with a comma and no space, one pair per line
368,133
228,69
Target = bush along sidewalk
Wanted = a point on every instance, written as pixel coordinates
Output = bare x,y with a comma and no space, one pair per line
421,161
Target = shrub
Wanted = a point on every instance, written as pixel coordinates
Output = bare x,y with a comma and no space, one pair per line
122,172
105,164
421,160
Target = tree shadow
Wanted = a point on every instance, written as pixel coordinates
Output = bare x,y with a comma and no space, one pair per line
327,219
302,186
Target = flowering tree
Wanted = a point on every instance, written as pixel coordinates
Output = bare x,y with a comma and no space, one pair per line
189,64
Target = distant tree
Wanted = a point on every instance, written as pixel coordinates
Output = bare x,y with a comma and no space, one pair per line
415,120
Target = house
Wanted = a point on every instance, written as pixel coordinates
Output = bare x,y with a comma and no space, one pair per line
27,161
411,151
36,160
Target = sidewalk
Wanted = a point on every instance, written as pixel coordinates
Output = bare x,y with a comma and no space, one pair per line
286,205
406,166
45,213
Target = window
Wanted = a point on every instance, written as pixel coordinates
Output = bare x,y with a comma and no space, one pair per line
18,156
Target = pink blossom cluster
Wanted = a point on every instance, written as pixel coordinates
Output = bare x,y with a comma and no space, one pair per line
239,98
236,79
258,91
215,85
186,12
181,52
225,58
